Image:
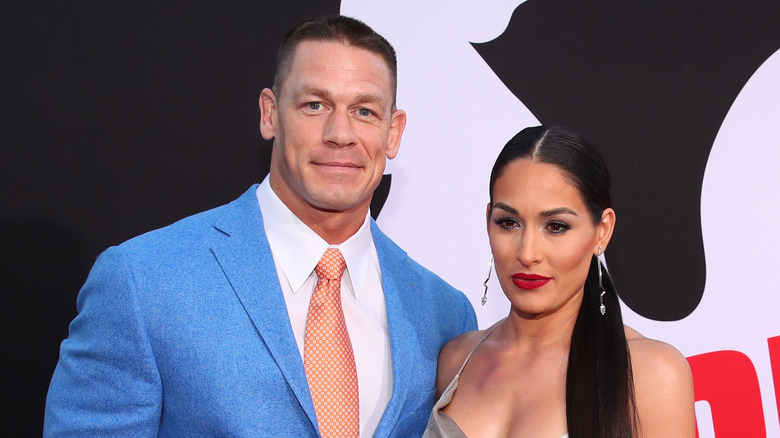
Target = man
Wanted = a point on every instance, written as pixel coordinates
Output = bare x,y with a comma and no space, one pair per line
227,324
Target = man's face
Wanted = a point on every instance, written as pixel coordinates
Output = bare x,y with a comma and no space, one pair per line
333,126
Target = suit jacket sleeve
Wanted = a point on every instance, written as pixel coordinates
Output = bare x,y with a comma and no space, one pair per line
106,382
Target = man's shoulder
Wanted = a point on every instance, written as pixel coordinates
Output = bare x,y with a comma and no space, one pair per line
182,251
196,227
424,296
393,255
395,261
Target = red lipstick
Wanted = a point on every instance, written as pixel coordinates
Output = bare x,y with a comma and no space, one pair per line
529,281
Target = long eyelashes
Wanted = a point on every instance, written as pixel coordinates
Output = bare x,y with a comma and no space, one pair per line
553,227
558,227
507,223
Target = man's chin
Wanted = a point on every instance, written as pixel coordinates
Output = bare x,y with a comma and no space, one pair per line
334,202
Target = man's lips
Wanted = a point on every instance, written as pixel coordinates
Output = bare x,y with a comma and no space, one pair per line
335,165
529,281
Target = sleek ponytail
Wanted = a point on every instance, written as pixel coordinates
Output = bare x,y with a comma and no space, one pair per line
599,381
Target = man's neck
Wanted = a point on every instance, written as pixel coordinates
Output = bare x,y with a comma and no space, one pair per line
334,226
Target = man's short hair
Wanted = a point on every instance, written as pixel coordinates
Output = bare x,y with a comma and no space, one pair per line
339,29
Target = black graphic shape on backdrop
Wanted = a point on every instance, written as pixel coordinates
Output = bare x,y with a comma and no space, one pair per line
380,195
650,83
38,262
117,118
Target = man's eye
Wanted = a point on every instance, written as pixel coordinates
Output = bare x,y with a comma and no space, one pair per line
364,112
314,105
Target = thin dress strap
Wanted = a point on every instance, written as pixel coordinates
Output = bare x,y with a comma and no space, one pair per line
475,347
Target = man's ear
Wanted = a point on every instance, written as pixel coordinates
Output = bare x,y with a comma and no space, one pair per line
397,125
268,119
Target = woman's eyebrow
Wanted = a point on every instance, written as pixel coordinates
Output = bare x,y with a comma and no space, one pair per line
557,211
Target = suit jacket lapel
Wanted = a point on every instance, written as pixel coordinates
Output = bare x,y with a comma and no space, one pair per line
245,257
396,287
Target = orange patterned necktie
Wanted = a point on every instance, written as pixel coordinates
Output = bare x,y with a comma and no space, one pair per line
327,354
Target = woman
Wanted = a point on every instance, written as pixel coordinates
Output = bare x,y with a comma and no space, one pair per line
561,362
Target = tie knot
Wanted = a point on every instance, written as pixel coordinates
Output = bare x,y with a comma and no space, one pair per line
331,265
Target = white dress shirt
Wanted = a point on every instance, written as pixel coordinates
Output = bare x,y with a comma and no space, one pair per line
297,250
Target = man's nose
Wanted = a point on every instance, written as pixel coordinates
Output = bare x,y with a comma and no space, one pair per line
339,129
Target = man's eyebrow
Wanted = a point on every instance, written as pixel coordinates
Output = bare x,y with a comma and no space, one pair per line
314,91
370,98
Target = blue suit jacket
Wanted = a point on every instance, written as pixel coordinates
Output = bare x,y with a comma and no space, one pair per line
183,331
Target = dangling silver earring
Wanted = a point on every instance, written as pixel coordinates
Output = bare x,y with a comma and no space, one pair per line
490,270
602,307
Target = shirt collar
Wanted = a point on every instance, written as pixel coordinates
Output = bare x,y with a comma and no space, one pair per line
298,249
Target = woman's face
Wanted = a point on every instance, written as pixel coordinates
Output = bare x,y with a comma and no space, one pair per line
542,237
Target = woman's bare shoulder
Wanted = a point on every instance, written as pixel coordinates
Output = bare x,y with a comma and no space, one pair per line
656,356
663,387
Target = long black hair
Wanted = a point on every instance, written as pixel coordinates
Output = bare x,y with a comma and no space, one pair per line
599,382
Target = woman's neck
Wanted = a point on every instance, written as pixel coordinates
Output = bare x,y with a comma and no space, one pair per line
537,332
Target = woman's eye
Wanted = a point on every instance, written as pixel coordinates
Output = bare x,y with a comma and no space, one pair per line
557,227
507,223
